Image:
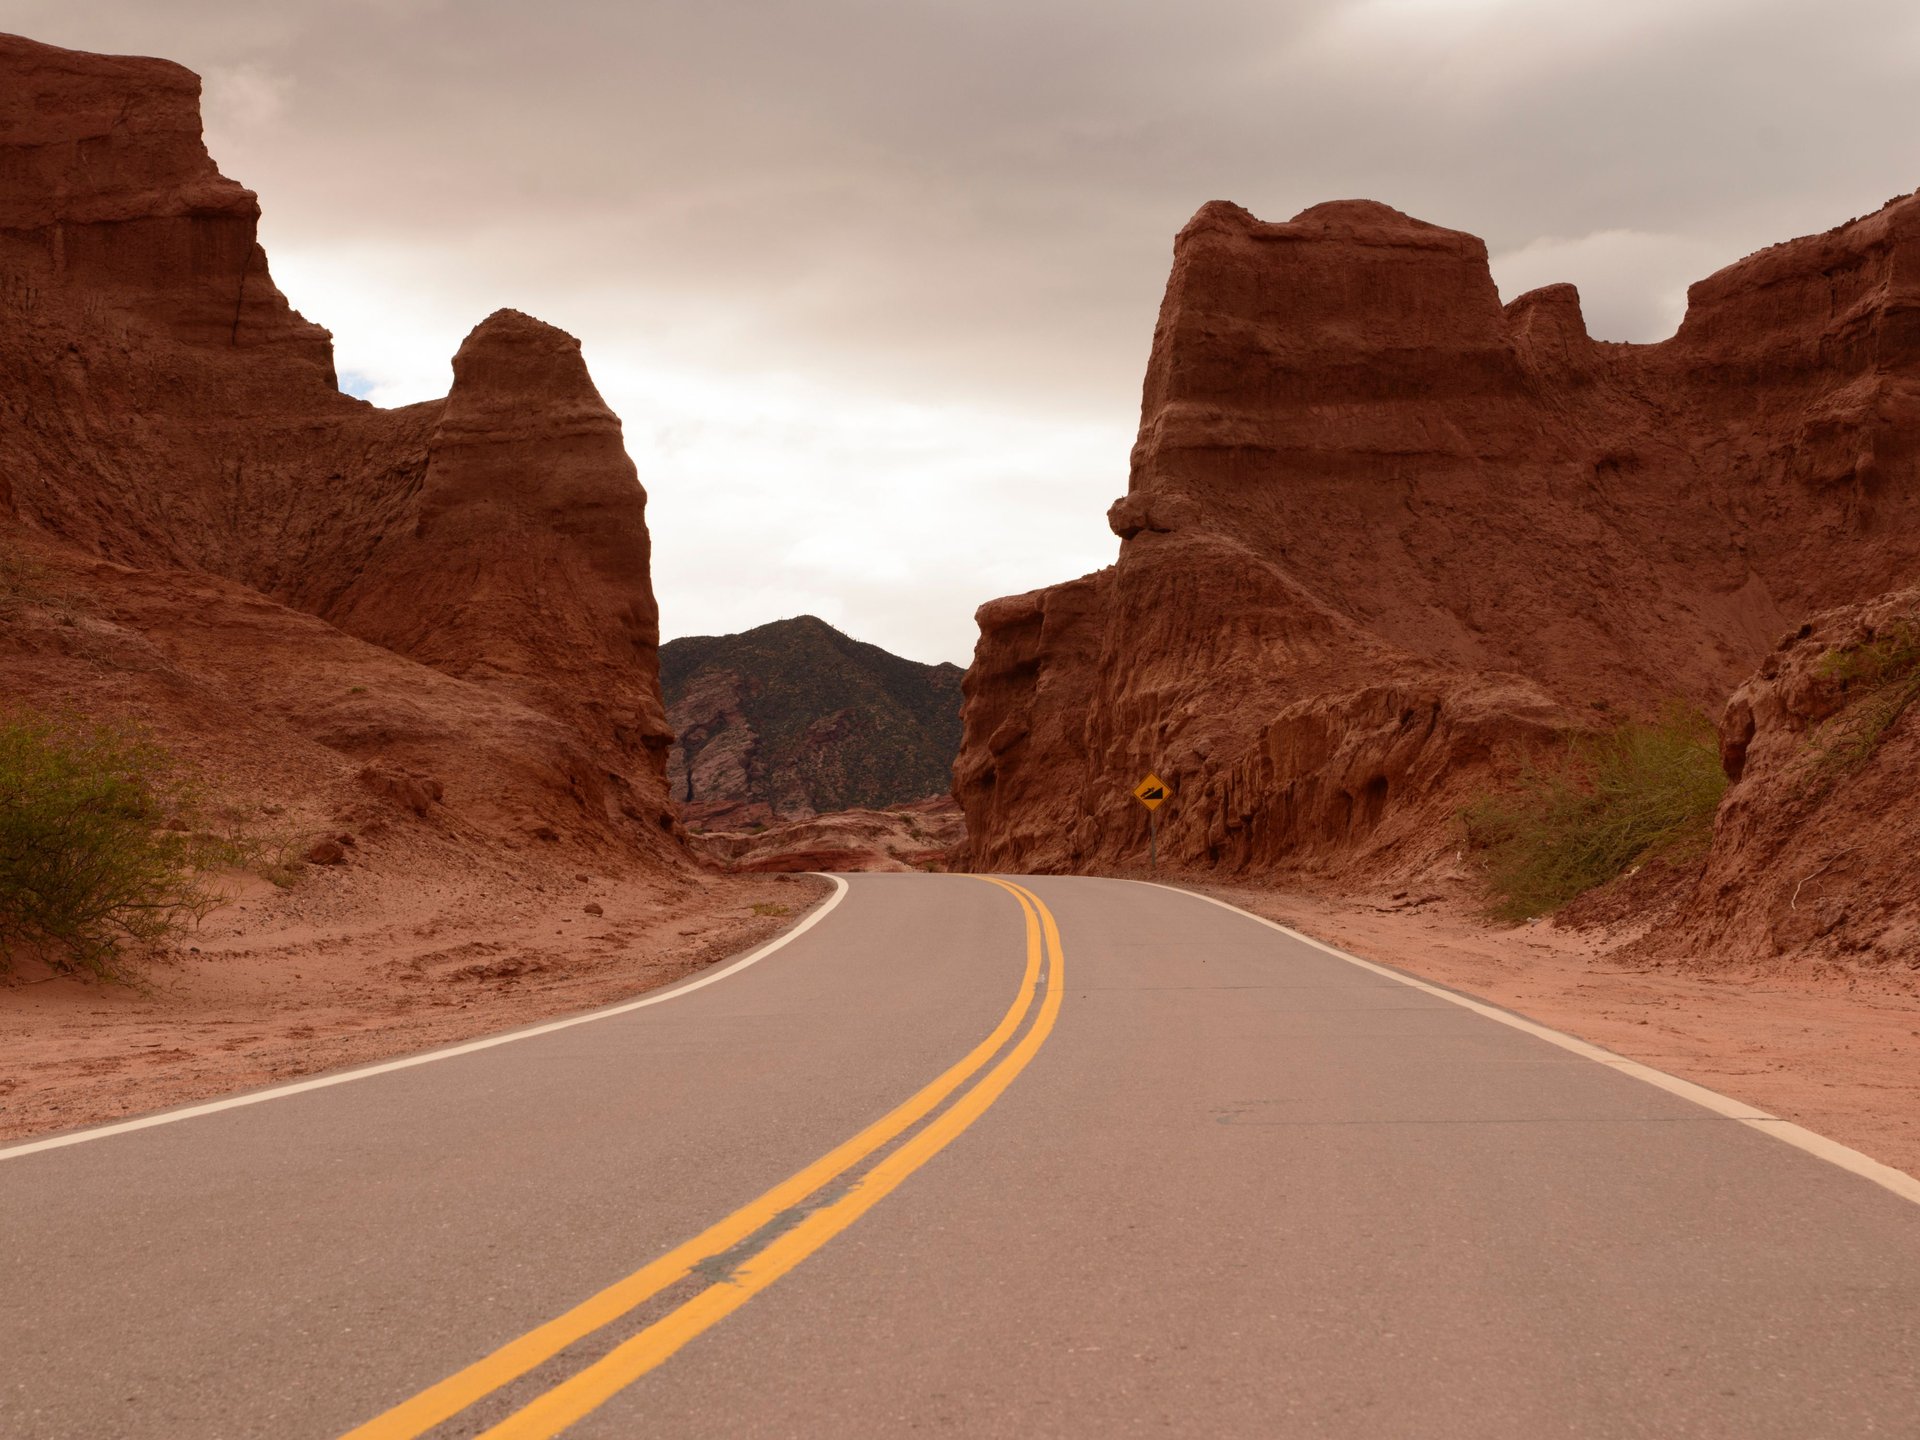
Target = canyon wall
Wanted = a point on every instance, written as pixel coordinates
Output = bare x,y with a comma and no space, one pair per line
447,603
1382,530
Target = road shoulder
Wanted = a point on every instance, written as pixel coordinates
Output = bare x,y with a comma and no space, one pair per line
1840,1059
269,997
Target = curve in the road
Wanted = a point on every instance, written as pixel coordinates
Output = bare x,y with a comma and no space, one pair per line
757,1244
1253,1186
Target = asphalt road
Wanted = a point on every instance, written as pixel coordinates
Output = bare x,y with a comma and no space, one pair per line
1120,1162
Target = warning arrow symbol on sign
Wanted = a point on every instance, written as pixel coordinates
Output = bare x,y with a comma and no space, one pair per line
1152,792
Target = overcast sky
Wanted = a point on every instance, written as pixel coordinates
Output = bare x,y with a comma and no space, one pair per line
872,284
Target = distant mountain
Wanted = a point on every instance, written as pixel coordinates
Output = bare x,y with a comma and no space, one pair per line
795,719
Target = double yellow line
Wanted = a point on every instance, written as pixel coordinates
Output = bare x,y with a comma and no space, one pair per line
793,1233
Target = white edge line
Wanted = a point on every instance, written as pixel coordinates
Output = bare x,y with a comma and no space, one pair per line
321,1082
1832,1151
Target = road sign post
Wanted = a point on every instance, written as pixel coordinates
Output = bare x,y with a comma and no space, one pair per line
1153,792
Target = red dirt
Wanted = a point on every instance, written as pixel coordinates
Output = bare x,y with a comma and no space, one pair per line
354,966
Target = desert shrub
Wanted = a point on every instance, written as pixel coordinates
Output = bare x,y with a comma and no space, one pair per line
1588,814
87,861
769,907
22,582
278,858
1881,677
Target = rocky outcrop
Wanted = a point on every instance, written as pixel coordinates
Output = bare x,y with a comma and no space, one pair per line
523,561
1812,847
1379,526
110,196
455,591
921,836
794,719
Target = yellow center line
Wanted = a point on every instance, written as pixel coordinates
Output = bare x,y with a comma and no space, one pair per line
414,1417
592,1387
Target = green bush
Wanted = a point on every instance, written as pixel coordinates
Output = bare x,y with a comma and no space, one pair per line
1605,803
1881,678
87,863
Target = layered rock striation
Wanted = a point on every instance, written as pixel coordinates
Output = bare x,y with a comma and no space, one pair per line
456,591
1380,528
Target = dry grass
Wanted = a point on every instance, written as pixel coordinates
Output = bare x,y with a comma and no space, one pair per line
1604,804
27,584
22,582
1880,678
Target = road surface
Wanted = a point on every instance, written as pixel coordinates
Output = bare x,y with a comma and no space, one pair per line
1112,1160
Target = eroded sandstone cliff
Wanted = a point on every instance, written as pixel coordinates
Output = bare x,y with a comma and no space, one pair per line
1813,846
1379,525
444,610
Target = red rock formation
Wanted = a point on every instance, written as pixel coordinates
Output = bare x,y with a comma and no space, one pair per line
1378,524
110,195
1813,845
455,592
526,562
921,836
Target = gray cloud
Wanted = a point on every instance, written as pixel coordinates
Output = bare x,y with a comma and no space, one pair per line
959,215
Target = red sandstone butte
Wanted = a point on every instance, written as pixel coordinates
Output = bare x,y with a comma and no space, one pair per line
1379,526
438,616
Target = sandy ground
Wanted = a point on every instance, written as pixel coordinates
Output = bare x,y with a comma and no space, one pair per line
1839,1056
347,968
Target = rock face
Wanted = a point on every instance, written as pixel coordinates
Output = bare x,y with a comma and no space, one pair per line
526,562
110,194
455,592
920,836
1813,846
794,719
1379,525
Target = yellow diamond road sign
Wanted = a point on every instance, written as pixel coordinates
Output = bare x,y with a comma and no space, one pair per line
1152,792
